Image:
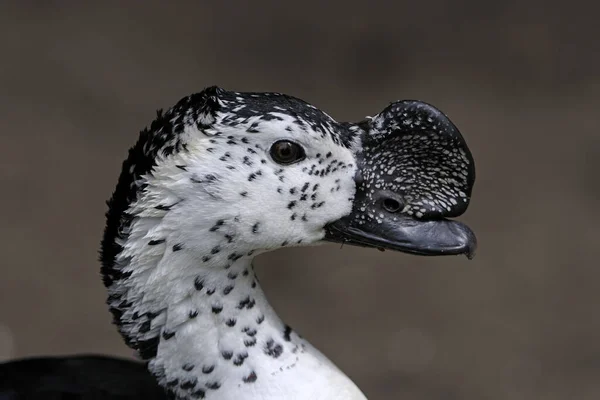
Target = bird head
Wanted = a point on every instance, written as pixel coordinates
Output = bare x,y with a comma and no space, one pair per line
240,173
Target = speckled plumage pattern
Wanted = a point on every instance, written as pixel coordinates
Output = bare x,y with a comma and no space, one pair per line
413,150
199,196
190,209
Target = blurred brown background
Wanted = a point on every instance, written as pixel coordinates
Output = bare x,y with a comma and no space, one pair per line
520,79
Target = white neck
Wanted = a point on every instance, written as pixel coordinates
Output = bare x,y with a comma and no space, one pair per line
218,337
226,342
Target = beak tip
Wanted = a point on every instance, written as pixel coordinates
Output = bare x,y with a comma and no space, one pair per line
471,245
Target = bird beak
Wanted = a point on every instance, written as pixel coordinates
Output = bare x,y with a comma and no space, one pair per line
414,172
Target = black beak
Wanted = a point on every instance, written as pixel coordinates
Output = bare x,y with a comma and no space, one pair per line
414,172
424,238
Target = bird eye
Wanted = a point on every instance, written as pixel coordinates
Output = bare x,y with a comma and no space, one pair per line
287,152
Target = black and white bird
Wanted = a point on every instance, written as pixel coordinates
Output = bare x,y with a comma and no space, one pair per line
214,181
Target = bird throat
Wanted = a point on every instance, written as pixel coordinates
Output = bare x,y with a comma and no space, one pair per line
206,327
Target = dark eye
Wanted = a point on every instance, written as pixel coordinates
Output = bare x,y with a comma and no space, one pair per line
286,152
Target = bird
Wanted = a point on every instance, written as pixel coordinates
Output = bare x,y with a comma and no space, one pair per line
219,178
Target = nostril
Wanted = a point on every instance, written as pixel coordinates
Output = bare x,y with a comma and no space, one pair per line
391,205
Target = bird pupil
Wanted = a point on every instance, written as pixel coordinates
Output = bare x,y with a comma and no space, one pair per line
286,149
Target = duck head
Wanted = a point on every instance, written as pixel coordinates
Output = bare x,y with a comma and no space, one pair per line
240,173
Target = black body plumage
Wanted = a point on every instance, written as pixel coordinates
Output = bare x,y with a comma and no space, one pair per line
77,378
